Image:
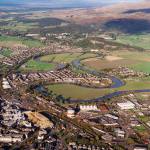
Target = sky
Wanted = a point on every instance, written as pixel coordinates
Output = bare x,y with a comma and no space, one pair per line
60,3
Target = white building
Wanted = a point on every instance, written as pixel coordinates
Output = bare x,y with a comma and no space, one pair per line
9,139
70,113
88,107
126,105
5,84
119,133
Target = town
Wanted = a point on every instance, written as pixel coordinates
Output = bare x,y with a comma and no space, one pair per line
75,77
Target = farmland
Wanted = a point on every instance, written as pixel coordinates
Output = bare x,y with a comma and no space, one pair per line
140,40
139,61
14,41
49,62
66,57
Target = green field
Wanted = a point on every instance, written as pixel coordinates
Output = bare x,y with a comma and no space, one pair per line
33,65
142,41
78,92
49,62
66,57
6,52
19,26
10,41
138,61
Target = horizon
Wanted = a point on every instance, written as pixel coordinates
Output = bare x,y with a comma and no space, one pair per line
60,3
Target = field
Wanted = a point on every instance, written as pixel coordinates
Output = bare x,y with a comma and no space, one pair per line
141,40
78,92
13,41
48,62
139,61
33,65
5,52
15,26
39,119
66,57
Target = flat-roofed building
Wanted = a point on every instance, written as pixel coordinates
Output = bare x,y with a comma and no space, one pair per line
126,105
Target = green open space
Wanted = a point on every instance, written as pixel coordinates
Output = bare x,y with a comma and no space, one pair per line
19,26
140,128
76,92
5,52
10,41
138,61
79,92
140,40
33,65
66,57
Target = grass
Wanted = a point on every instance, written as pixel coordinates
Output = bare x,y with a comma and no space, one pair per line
144,118
33,65
19,26
140,128
9,41
136,84
6,52
66,57
78,92
142,40
138,61
143,67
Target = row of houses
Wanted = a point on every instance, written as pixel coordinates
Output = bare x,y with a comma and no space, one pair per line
61,76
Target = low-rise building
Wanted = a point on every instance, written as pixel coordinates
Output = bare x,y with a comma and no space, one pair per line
88,108
126,105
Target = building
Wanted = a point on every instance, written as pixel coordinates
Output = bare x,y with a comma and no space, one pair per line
70,113
126,105
5,84
119,133
88,107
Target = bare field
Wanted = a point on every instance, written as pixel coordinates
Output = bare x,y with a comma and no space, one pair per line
139,61
100,64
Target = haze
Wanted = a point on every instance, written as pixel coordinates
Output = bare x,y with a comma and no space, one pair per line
60,3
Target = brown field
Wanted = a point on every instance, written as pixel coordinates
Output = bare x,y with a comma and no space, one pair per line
39,119
106,64
95,15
